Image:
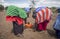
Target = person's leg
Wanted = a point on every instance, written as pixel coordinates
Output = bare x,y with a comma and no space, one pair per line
45,24
27,14
35,27
21,29
15,28
25,20
40,26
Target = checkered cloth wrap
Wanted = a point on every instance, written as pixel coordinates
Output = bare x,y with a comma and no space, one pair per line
15,11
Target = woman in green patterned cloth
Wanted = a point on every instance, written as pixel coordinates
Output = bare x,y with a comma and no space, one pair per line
16,15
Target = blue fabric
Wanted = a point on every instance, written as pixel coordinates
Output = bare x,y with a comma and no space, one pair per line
39,8
58,10
27,9
57,23
58,33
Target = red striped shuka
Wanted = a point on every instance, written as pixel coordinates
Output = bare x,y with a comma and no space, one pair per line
44,14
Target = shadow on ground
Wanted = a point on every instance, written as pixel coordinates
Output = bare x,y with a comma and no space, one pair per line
51,33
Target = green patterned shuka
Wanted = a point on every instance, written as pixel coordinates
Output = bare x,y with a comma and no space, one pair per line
15,11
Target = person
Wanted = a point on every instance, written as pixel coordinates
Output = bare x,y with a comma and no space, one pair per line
42,18
56,25
16,15
27,12
35,24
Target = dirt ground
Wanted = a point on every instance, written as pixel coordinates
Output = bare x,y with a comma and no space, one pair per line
5,29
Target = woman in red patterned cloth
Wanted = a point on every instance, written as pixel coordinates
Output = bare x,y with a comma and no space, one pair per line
43,17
